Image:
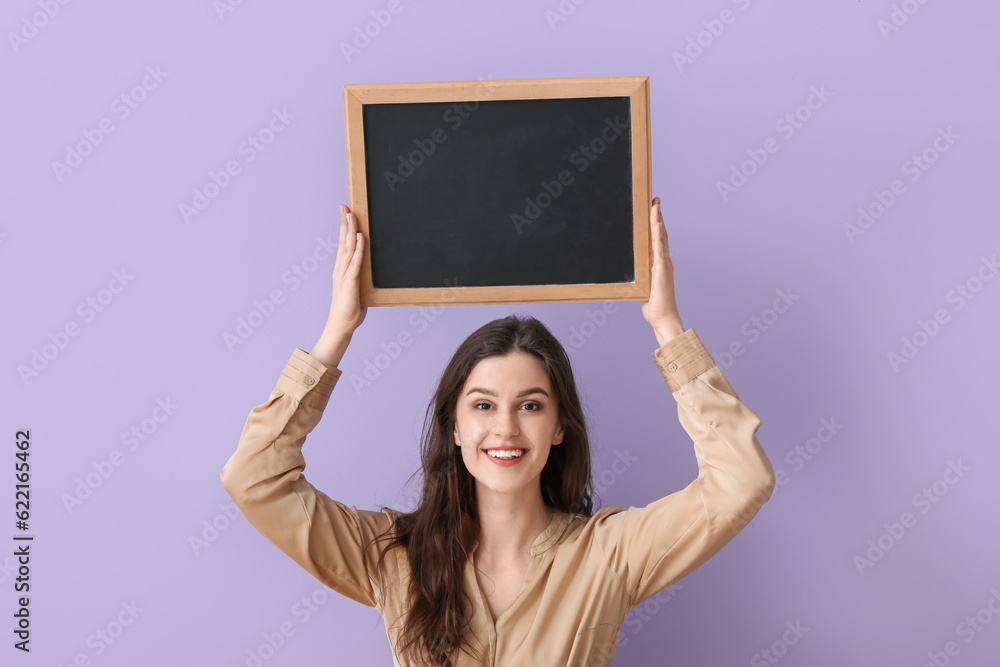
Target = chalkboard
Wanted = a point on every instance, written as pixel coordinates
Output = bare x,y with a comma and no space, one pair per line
530,190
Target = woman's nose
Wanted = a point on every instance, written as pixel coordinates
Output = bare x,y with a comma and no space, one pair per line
505,424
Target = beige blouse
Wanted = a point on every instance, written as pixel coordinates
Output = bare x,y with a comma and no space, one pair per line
586,573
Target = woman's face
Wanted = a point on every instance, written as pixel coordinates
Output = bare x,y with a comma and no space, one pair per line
507,402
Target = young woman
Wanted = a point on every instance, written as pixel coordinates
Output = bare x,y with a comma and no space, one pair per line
504,562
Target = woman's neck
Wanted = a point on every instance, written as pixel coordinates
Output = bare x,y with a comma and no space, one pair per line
509,525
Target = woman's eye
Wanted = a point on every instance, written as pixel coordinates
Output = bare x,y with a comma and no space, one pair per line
531,407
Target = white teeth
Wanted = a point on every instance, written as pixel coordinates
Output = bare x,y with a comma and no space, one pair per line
505,454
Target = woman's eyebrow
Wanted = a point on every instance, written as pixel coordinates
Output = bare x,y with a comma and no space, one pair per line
535,390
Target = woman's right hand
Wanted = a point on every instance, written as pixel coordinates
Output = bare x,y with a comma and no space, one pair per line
346,312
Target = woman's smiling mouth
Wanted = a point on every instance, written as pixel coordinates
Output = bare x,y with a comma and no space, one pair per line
505,456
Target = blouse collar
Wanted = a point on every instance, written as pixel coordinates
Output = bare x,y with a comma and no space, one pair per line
548,538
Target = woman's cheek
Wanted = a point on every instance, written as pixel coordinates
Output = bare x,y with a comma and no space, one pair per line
469,438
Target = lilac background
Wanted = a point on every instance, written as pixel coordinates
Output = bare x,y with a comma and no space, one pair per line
162,337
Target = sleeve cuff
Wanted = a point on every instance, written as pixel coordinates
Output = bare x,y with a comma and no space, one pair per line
682,358
308,379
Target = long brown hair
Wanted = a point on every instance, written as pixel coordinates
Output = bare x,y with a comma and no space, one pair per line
438,535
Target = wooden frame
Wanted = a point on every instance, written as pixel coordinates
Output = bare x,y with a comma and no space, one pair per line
356,96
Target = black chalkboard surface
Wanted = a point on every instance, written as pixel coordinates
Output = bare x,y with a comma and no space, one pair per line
489,194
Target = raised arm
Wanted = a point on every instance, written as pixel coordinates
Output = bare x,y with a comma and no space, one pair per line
265,477
649,548
346,312
661,308
652,547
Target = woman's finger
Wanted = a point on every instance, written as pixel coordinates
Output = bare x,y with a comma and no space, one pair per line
656,231
660,232
359,255
341,260
343,228
350,242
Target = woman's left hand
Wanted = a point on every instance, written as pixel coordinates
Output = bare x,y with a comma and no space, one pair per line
661,308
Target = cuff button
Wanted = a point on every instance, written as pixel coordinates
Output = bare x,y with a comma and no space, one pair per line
309,380
672,367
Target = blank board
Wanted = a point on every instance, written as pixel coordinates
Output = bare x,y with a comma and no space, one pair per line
519,191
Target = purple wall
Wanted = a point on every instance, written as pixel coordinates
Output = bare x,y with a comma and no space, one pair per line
873,546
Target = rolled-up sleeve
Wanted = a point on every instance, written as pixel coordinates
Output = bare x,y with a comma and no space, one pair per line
265,479
652,547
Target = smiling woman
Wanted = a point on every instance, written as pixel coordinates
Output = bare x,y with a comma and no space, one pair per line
506,427
504,561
